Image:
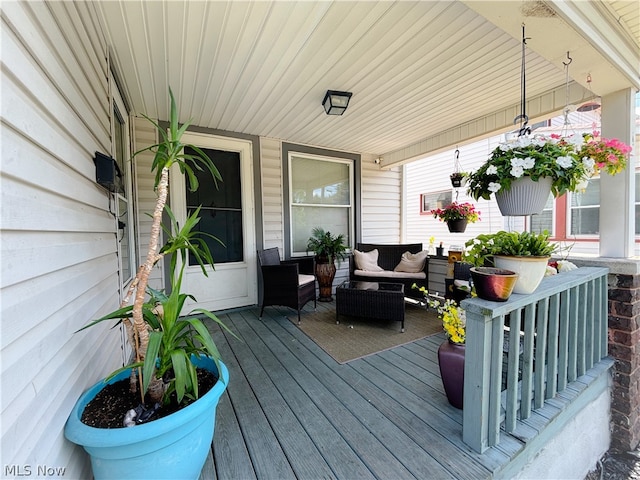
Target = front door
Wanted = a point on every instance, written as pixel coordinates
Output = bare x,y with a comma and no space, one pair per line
226,213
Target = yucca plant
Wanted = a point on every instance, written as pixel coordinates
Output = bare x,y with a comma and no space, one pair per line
163,340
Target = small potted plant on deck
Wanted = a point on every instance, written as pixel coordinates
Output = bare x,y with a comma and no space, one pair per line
167,425
327,248
457,215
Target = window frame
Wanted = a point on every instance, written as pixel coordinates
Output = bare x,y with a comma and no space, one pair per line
355,171
127,195
424,210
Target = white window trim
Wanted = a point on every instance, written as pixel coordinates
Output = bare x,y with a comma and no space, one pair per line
351,166
116,99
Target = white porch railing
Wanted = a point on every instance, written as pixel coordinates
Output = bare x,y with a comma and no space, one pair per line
554,336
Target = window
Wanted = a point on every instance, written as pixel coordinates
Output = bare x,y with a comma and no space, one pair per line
637,203
123,195
320,195
545,219
432,201
585,210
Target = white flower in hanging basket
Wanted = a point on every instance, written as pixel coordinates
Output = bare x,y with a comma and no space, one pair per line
568,161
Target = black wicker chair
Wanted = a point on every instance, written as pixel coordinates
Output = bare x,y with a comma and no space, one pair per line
290,283
461,272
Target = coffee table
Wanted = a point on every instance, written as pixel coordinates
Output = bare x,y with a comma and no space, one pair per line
374,300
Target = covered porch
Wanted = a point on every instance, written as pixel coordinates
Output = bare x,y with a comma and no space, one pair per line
292,411
426,76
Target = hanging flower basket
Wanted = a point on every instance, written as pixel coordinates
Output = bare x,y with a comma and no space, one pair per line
457,226
525,197
457,215
566,163
457,179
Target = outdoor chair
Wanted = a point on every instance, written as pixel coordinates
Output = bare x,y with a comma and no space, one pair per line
458,288
291,283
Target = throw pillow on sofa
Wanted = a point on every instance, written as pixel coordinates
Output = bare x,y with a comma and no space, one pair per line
367,261
412,262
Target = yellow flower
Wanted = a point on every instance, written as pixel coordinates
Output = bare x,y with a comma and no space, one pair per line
453,317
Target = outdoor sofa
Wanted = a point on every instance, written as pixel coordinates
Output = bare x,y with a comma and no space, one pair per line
393,263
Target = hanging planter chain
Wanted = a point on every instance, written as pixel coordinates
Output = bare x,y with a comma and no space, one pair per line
457,176
523,118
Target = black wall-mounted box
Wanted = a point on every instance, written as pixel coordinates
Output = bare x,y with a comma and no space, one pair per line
107,172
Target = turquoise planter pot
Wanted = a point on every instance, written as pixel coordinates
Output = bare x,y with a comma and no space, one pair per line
173,447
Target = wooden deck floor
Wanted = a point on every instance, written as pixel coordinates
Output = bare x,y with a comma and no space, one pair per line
291,411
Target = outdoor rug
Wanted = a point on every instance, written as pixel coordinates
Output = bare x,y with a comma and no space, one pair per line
355,337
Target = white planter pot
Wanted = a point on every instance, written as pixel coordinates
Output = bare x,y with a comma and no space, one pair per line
525,197
530,271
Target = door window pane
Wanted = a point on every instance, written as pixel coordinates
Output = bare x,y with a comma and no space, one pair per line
221,212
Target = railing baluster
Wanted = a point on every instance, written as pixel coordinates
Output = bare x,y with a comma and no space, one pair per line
552,348
589,325
527,361
513,363
495,387
582,331
563,344
542,322
603,318
574,298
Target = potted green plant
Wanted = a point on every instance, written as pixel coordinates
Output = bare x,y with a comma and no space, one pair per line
170,351
458,179
522,173
327,248
457,215
524,253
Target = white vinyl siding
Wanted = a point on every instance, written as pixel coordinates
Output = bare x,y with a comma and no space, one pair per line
145,196
432,175
59,264
381,203
272,193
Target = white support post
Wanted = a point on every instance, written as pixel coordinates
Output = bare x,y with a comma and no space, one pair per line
617,193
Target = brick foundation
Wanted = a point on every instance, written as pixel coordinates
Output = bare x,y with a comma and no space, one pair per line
624,347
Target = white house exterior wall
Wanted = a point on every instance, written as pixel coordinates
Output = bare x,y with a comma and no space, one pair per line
59,265
381,202
272,198
144,136
432,175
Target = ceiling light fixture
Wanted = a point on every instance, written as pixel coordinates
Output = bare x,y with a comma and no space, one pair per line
592,104
335,102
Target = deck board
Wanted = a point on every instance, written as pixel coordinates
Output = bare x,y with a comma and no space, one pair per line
292,411
333,397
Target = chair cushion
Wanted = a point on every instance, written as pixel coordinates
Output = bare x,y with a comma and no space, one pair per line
367,261
412,262
304,279
391,275
367,286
